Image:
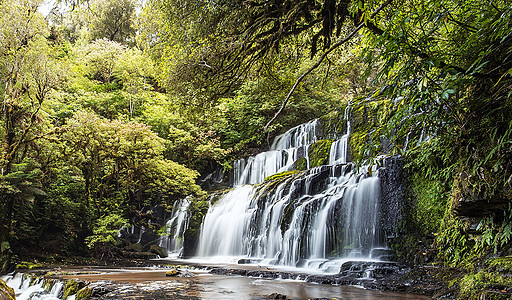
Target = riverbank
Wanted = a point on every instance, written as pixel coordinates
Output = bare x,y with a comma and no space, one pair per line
201,283
146,279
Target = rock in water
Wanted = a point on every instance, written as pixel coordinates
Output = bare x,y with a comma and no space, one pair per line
6,292
178,273
277,296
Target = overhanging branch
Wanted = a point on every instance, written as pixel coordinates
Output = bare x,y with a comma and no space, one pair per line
320,60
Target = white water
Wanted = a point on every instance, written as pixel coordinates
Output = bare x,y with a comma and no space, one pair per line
316,220
27,290
339,149
285,150
338,222
172,241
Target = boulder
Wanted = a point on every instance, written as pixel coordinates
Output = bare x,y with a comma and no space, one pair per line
6,292
158,250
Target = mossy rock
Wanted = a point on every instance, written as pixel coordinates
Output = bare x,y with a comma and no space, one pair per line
6,292
135,247
84,293
301,164
501,264
281,175
319,153
139,255
158,250
26,265
334,123
485,285
171,273
70,288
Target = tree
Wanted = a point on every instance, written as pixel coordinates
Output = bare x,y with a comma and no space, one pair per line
105,235
122,164
101,57
113,20
27,75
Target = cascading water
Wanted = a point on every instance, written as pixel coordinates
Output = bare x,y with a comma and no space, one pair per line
27,289
312,219
339,149
172,241
285,150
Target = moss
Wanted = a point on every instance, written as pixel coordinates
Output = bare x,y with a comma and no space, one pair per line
485,285
158,250
301,164
281,175
367,120
6,292
319,153
70,288
84,293
334,123
501,264
26,265
430,203
135,247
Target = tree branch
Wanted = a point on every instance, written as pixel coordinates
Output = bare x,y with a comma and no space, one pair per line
320,60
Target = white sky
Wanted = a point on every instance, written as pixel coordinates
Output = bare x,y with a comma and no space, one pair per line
46,6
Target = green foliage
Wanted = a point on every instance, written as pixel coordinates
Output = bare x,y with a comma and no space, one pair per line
100,58
453,243
431,203
106,234
188,141
122,163
113,19
479,285
244,115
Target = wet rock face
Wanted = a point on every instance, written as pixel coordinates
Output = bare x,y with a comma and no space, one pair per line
215,180
365,269
392,194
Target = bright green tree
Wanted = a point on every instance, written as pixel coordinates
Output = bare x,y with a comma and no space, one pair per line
27,75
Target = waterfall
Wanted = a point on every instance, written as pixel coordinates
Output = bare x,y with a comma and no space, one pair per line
286,149
339,149
313,219
172,241
293,224
26,288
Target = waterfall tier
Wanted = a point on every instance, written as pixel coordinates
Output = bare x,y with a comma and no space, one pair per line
306,220
286,149
26,288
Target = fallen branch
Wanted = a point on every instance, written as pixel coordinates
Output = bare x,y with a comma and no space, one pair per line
320,60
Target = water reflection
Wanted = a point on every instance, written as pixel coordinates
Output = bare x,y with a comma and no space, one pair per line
207,286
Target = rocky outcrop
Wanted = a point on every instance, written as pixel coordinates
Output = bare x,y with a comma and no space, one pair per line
382,276
470,199
392,178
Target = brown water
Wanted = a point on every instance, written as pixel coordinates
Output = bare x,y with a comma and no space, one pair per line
153,284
